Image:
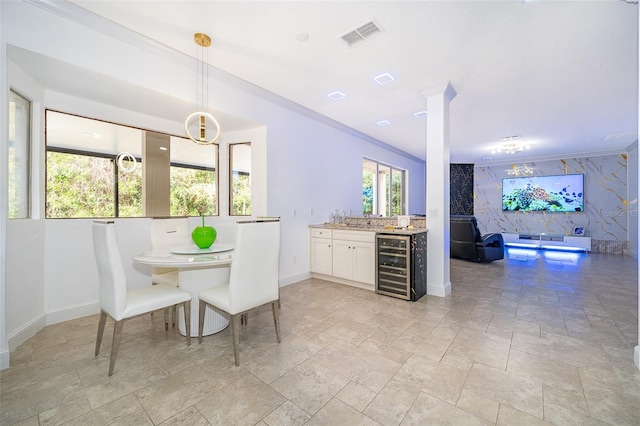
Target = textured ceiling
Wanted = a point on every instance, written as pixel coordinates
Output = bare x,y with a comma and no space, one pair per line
564,75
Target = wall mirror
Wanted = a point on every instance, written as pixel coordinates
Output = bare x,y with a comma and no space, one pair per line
96,169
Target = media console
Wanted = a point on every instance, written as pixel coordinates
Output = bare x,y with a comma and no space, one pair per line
548,241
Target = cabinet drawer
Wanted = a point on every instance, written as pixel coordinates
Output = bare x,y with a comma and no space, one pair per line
320,233
363,236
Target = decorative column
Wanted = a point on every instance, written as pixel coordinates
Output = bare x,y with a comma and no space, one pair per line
437,188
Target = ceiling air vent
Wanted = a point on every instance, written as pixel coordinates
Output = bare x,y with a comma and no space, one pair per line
361,33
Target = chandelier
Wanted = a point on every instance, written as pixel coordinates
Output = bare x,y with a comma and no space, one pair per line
201,121
523,170
510,145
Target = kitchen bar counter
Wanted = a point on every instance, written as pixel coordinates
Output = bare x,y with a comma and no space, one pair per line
373,228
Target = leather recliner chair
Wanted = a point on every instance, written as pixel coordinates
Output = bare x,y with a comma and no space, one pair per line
467,242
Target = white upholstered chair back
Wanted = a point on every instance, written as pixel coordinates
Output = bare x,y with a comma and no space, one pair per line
169,233
253,279
111,275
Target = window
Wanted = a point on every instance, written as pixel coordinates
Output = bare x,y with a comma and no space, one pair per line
19,156
240,179
171,176
383,189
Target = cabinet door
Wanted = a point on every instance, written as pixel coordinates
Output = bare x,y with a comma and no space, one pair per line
364,262
321,256
343,259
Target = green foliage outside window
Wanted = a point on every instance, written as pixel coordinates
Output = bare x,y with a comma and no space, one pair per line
193,192
81,186
241,195
367,192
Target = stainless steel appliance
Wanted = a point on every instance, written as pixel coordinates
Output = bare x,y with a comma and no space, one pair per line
401,266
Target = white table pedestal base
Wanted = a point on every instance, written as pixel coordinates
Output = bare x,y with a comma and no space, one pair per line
195,280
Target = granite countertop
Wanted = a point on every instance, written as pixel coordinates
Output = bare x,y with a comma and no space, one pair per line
372,228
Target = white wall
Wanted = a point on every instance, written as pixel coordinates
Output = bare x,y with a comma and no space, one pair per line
632,208
298,163
4,137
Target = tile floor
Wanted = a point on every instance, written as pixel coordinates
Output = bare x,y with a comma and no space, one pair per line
539,338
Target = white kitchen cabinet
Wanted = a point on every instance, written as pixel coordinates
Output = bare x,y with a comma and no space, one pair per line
321,251
354,256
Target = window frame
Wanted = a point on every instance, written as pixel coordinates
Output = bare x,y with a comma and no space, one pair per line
231,179
215,169
386,194
24,201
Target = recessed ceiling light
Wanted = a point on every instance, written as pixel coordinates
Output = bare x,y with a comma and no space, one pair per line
511,138
337,95
384,78
383,123
420,114
302,36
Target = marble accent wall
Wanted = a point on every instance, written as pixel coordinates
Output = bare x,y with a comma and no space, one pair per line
605,217
461,189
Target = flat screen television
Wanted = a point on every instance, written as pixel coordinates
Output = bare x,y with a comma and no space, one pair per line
556,193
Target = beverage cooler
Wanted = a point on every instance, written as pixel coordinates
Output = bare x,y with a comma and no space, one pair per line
401,265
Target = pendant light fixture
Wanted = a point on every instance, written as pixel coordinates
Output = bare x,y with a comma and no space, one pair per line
202,120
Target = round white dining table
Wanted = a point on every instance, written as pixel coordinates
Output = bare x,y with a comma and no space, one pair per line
198,269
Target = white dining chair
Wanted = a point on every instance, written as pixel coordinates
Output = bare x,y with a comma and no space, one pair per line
167,234
253,278
120,303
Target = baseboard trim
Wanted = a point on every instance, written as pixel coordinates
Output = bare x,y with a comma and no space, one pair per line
25,332
4,360
440,291
357,284
72,313
636,356
291,279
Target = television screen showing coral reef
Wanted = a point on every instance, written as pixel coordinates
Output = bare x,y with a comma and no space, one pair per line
557,193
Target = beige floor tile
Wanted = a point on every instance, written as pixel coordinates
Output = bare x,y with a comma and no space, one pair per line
276,359
31,421
288,414
478,405
65,411
356,396
505,325
443,380
428,346
543,370
392,403
561,349
388,351
507,388
368,369
336,412
481,347
28,391
188,417
138,418
509,416
478,320
108,413
427,409
571,357
244,402
561,416
176,392
310,385
612,401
